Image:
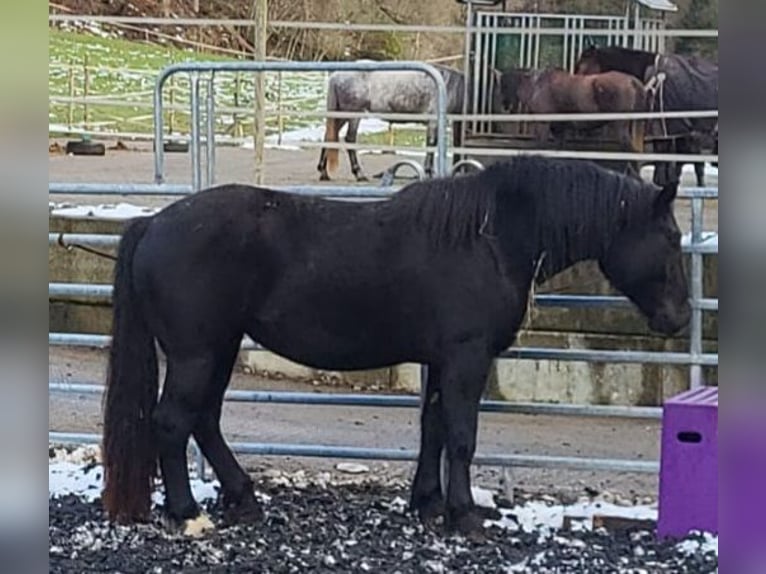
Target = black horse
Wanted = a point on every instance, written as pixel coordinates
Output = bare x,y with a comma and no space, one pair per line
690,83
321,282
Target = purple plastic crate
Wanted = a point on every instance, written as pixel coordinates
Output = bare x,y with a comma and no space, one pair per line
689,464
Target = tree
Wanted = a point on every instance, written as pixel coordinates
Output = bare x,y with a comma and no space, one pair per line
700,15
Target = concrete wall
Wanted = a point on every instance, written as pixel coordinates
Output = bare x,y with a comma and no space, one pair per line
549,381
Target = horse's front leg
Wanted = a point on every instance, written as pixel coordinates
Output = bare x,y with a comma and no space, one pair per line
356,169
462,382
322,166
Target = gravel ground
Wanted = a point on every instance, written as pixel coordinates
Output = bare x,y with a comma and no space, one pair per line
317,523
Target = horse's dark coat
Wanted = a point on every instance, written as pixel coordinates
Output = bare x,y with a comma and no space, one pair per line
437,275
554,90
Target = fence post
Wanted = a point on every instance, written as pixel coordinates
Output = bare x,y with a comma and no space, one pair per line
171,111
85,93
259,54
695,333
70,106
236,129
280,118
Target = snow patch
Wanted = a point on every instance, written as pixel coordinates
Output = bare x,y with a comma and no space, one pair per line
105,211
539,516
709,543
483,497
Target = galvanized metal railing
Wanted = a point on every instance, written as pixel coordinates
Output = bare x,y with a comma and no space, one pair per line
696,245
196,68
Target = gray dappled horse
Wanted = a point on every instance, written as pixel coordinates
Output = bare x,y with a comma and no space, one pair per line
385,91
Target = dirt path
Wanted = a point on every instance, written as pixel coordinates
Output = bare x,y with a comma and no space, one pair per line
389,428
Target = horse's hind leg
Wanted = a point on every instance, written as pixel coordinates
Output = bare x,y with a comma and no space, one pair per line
178,411
426,498
356,169
699,171
238,497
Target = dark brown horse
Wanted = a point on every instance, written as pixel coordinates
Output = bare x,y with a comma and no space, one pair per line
554,90
680,83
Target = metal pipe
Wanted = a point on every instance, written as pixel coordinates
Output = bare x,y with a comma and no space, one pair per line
210,138
196,156
89,239
61,188
95,240
695,331
358,27
104,291
275,66
64,188
401,401
360,453
530,353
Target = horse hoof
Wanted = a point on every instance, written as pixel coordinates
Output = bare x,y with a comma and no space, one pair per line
246,512
430,510
197,527
470,525
362,178
324,177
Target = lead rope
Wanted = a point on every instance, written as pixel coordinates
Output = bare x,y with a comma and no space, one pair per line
531,310
661,87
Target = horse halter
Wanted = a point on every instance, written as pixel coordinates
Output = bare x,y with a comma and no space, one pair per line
656,84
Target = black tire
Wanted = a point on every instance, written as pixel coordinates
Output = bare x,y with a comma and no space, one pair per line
85,148
173,146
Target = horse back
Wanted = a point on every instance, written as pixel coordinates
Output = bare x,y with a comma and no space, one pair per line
618,92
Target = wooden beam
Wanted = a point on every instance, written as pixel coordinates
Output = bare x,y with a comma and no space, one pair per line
259,54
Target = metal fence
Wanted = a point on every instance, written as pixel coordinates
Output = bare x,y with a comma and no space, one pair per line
695,244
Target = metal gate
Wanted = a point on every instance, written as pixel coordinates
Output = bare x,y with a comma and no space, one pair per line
540,41
696,245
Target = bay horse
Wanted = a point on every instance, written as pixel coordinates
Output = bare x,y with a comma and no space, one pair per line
690,83
554,91
385,91
320,282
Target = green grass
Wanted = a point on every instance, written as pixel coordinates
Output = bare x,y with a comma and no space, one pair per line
410,137
124,72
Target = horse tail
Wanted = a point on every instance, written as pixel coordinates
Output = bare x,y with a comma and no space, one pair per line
331,128
132,384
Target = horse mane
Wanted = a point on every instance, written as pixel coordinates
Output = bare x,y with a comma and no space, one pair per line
575,206
623,50
453,211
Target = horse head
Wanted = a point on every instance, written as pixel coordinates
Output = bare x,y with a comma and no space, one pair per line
644,261
588,62
516,87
